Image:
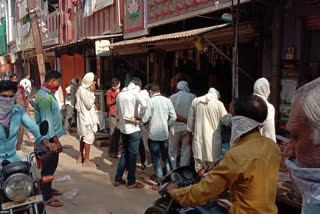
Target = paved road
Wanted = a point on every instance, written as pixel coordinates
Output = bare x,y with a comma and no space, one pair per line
96,192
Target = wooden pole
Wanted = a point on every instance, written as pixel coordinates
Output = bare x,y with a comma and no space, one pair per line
37,39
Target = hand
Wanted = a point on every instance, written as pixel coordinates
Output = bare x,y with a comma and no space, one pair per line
97,108
93,88
59,146
171,187
51,146
18,147
231,108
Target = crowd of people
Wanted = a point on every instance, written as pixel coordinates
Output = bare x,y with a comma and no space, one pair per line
181,124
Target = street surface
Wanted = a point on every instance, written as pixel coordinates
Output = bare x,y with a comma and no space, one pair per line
96,194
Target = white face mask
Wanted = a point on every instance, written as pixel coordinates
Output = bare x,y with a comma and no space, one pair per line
116,88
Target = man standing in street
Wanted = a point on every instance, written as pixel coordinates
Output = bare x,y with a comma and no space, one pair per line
46,108
26,84
70,102
114,122
261,88
181,101
303,149
205,114
249,169
160,114
127,105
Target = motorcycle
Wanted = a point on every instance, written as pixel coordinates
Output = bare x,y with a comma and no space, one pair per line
19,184
183,177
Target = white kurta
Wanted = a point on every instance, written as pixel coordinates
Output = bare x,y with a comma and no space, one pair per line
262,89
87,121
203,122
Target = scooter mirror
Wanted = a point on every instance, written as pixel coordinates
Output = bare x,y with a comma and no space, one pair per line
44,127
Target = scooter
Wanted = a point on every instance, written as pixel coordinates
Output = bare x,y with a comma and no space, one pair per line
183,177
21,189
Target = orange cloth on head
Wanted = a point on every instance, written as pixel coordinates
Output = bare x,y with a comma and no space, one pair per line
250,169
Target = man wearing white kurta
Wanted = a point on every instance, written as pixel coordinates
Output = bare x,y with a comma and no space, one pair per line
87,121
178,131
204,130
262,89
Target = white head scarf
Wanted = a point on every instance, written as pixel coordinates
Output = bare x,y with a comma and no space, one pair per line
86,83
212,94
130,87
183,86
87,80
240,126
261,88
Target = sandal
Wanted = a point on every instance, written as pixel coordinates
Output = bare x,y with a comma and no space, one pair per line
53,202
137,185
155,187
118,183
56,192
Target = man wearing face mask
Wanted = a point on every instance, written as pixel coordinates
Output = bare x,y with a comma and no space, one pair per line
11,117
46,107
249,169
303,149
114,122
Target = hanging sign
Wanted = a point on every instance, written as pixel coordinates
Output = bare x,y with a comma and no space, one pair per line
100,4
102,48
25,29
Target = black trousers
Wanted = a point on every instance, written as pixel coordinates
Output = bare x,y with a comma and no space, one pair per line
49,165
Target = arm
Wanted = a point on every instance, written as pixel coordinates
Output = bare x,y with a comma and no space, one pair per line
147,113
87,99
182,119
28,123
191,118
226,118
172,114
217,180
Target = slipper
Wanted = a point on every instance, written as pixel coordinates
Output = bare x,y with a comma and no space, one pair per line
113,155
56,192
137,185
155,187
119,183
53,202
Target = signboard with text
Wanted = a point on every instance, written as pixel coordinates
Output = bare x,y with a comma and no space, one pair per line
102,48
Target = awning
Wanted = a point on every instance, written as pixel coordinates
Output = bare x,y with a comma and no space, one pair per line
165,37
81,41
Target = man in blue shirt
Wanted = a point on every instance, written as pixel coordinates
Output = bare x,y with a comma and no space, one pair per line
46,107
11,117
160,114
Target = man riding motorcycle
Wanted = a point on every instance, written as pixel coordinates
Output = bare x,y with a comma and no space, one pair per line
250,168
11,117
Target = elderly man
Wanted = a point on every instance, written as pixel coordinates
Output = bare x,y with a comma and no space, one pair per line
205,114
304,145
249,169
261,88
178,131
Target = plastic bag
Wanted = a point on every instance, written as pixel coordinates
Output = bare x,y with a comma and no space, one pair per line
71,194
64,178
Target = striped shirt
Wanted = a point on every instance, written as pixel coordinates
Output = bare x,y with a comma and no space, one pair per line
160,114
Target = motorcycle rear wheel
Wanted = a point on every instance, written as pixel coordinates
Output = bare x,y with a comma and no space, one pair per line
155,210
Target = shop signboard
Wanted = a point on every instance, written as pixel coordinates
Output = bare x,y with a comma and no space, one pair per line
100,4
102,48
4,68
25,29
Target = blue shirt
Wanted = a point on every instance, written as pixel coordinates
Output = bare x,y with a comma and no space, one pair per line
46,107
157,113
8,144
